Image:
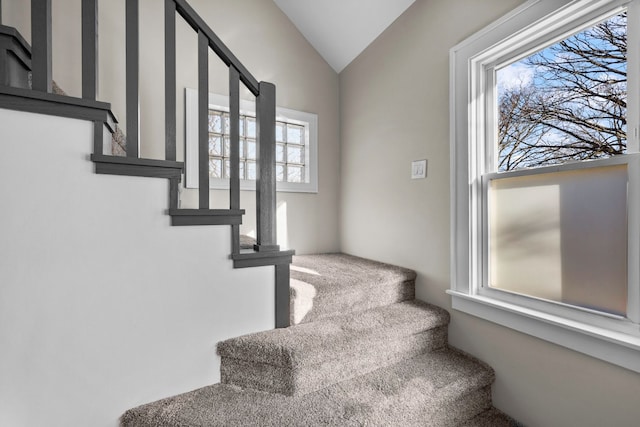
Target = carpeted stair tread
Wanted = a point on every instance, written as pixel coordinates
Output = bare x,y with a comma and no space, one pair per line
325,285
311,343
306,357
443,388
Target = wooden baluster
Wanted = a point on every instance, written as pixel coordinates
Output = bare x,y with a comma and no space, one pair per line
203,120
234,122
133,77
90,49
90,64
266,165
170,79
41,45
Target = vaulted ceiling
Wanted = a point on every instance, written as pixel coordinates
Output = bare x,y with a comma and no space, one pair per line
341,29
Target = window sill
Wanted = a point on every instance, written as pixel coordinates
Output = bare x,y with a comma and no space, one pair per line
618,348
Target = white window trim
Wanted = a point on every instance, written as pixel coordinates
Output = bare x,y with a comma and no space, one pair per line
610,338
221,102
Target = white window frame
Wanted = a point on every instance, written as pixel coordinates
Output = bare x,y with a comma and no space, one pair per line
535,24
221,103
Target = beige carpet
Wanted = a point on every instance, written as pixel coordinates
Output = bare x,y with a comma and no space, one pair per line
362,356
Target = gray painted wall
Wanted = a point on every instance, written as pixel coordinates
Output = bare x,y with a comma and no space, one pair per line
394,104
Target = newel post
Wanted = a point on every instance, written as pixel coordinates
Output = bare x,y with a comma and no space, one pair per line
266,173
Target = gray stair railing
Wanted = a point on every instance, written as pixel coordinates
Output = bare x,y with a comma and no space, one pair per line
265,101
39,98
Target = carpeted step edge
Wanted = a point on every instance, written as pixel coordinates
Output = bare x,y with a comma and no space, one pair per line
308,378
308,305
326,285
441,389
311,343
330,269
492,417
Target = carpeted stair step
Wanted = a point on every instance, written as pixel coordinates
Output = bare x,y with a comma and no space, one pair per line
443,388
326,285
310,356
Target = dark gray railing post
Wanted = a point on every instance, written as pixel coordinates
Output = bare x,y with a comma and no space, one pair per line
174,201
3,58
266,168
132,76
90,64
234,176
282,295
41,45
203,120
170,79
90,49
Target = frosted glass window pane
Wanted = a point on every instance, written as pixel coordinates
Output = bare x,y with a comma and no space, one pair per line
251,170
294,173
294,154
294,134
561,237
242,169
227,168
215,168
280,132
251,149
227,147
215,123
227,120
251,127
279,172
215,145
279,152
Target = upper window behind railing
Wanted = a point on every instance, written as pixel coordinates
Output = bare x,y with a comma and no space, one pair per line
296,146
291,147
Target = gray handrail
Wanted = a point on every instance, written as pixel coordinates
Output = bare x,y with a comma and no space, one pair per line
266,115
198,24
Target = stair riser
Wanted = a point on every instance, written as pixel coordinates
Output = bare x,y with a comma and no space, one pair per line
305,379
464,408
306,306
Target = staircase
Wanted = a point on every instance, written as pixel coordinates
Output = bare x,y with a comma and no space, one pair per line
360,349
381,361
26,84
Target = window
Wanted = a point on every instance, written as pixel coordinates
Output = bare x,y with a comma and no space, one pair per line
296,146
546,176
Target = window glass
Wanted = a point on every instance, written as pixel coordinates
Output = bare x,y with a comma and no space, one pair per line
567,102
289,149
562,237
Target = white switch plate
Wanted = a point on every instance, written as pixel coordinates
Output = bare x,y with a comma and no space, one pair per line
418,169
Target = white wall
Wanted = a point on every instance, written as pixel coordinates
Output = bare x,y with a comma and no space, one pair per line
104,305
263,39
394,104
